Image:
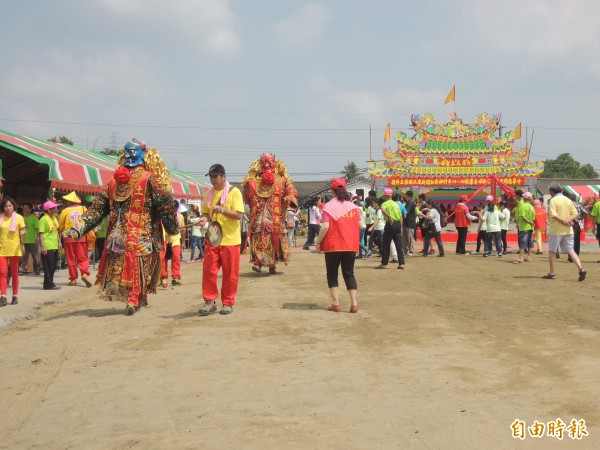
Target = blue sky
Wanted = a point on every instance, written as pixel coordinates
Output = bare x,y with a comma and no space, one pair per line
208,81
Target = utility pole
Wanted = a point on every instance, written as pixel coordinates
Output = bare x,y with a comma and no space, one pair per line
371,155
113,141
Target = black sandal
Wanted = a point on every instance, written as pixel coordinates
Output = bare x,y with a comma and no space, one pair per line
582,274
550,276
3,301
15,300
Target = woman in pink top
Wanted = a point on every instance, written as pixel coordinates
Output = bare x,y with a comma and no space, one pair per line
539,224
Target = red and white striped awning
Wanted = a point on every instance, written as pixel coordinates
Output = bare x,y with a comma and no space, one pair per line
584,192
72,168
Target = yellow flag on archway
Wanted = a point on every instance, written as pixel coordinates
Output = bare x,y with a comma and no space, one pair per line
451,96
517,132
387,135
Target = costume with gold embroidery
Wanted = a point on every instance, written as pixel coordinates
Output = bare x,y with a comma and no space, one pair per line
138,203
268,191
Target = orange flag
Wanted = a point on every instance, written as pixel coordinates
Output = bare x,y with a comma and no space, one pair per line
517,132
451,96
387,135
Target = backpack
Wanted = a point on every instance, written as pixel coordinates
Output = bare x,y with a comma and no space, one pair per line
443,221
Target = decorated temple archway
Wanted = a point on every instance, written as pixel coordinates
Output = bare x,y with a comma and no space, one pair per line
456,155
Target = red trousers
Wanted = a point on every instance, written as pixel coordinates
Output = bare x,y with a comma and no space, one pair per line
227,257
175,264
14,273
77,257
135,299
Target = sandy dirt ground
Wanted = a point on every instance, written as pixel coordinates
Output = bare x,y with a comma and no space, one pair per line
443,355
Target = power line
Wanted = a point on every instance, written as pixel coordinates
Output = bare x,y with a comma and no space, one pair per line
182,127
294,113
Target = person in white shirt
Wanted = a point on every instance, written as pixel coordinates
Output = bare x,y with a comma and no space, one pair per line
314,223
434,228
492,219
291,217
376,229
504,222
197,236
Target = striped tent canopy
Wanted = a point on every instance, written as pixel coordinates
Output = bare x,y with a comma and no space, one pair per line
584,192
27,160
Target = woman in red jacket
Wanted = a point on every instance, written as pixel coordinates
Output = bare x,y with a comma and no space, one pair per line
339,239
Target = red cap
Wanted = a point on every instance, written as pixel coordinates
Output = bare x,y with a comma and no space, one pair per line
464,198
338,183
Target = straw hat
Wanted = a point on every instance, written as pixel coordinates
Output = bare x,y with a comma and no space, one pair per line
72,197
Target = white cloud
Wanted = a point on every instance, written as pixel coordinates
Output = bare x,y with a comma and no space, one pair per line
207,25
304,27
373,103
120,73
534,31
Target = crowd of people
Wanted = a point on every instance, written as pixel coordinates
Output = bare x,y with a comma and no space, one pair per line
136,229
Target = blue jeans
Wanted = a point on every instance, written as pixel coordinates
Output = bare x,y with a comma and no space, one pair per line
496,239
525,239
362,249
376,239
197,241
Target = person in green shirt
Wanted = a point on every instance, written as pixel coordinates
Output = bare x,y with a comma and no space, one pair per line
49,243
525,218
30,240
596,215
100,232
392,231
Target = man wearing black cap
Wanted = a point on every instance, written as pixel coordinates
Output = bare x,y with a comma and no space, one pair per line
222,204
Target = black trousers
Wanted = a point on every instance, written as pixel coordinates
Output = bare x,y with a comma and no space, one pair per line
100,246
480,239
333,260
462,240
313,231
49,261
392,233
576,237
438,241
504,243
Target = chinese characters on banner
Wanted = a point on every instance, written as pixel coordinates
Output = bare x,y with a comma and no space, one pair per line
449,181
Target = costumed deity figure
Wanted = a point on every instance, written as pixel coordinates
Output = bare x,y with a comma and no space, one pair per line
138,204
268,191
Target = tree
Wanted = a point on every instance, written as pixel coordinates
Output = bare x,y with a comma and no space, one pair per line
350,171
110,151
61,140
565,166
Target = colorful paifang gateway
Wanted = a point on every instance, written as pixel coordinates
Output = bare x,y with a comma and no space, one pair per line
455,154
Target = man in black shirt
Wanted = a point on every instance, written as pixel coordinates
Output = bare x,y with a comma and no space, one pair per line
410,223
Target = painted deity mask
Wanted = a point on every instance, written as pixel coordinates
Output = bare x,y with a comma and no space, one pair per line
135,152
267,162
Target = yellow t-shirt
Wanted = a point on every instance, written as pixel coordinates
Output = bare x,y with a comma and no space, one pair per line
71,218
10,241
563,207
231,227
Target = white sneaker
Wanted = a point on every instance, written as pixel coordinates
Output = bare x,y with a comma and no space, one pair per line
409,254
